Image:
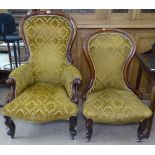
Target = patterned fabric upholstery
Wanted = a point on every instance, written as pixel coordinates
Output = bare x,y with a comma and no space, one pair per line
41,102
23,76
108,53
44,84
115,106
68,74
47,37
109,100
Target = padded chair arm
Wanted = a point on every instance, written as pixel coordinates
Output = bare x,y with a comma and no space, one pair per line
22,78
71,79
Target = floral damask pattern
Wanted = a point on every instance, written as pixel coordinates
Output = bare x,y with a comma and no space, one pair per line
108,53
68,74
115,106
109,100
47,37
44,84
41,102
23,77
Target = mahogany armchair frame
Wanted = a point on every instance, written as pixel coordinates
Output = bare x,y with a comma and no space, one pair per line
76,82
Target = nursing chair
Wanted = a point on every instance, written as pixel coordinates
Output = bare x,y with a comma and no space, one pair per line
109,97
45,88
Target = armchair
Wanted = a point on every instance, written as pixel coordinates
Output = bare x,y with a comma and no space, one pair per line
45,88
109,97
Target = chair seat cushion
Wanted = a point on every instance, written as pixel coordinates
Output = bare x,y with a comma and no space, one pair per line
115,106
40,103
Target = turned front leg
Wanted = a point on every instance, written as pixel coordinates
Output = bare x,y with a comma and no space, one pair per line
89,126
73,123
10,126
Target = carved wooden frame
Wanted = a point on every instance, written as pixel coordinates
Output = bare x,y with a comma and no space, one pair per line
75,84
145,126
126,63
47,13
77,81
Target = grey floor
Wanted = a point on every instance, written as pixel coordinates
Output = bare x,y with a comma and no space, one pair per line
57,132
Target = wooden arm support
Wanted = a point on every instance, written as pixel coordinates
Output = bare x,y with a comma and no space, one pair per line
152,103
75,87
12,83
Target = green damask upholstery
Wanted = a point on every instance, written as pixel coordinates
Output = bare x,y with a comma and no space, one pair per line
23,77
47,37
115,106
44,84
109,100
40,103
108,53
68,74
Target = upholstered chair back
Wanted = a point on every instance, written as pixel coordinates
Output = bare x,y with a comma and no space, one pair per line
108,51
48,38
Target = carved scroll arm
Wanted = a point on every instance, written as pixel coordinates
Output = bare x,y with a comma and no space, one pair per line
75,87
12,83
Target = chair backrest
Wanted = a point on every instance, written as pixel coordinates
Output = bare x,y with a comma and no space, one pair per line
7,24
108,53
49,37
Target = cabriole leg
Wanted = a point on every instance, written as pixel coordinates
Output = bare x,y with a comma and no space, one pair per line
89,126
72,125
144,129
10,126
146,125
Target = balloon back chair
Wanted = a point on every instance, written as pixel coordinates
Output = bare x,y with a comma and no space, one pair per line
109,97
45,88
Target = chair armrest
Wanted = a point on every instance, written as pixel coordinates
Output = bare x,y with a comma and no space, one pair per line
71,79
21,78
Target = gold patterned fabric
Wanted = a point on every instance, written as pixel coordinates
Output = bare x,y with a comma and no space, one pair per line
115,106
108,53
23,77
44,84
41,102
69,73
47,37
109,100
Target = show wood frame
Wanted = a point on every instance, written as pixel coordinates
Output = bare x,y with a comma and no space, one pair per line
75,84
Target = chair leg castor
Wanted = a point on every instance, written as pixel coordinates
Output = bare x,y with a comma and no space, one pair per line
89,126
73,123
10,126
